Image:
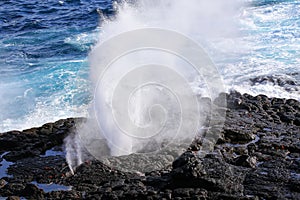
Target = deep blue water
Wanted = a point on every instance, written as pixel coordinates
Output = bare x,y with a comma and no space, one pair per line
44,47
43,58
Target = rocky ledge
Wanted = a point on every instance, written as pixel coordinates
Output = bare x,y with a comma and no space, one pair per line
257,156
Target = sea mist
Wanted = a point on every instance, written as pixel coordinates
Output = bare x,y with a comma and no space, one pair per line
148,108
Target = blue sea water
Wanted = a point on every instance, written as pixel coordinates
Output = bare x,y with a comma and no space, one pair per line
44,71
43,59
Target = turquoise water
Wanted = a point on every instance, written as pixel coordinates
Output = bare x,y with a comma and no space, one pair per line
44,71
43,59
270,33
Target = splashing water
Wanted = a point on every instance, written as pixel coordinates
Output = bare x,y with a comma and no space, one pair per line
149,108
73,149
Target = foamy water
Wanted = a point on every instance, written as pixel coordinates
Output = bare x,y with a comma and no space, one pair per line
44,68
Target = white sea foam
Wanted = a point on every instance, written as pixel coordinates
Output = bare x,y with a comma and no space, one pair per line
270,36
202,21
25,105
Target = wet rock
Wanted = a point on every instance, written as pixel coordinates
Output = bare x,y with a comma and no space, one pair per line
35,141
12,188
289,82
13,198
256,157
211,173
42,169
32,191
235,135
270,181
2,183
245,161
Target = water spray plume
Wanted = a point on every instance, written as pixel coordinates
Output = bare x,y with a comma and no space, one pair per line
147,70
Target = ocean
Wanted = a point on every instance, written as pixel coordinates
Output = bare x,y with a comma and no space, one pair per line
44,48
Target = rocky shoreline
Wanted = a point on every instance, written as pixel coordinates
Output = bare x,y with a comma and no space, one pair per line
257,156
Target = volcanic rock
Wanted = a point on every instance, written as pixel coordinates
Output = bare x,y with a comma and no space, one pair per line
257,156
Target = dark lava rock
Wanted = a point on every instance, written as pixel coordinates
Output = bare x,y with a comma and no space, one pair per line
35,141
211,173
32,191
245,161
13,198
12,188
290,82
2,183
257,156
